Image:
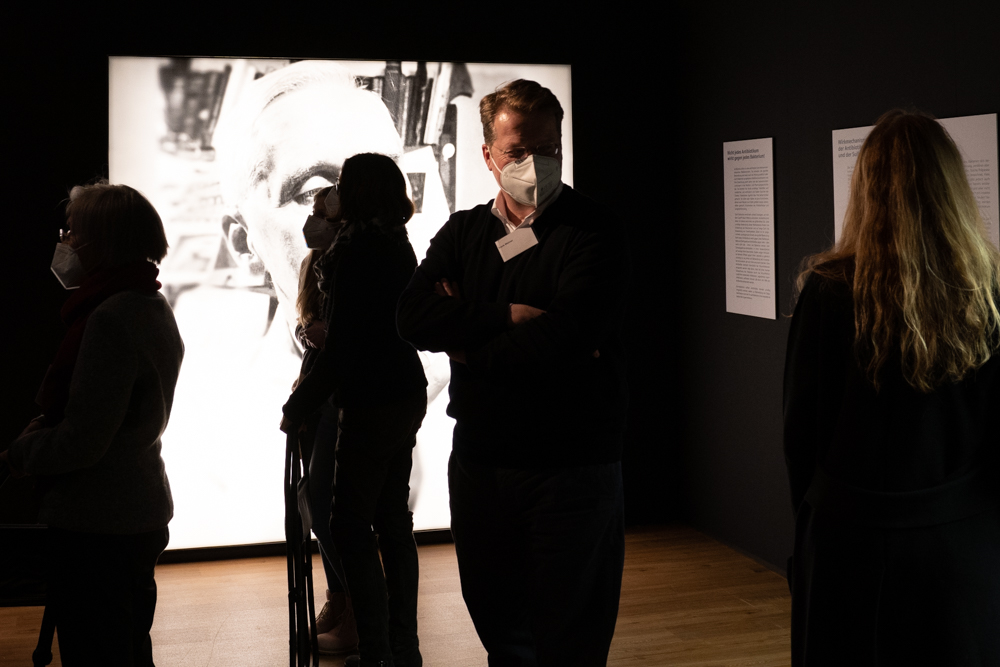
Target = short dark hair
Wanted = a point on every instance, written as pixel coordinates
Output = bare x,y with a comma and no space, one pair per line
118,222
372,186
524,97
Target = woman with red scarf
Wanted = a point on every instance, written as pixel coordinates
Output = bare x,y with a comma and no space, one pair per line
96,447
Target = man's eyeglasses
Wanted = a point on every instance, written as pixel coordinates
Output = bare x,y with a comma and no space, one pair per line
518,153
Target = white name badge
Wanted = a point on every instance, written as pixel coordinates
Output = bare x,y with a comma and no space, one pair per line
516,242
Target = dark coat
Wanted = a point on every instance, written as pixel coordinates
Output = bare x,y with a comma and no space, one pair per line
897,549
105,453
364,362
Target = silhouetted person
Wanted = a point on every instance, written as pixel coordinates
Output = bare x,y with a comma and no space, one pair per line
377,381
106,400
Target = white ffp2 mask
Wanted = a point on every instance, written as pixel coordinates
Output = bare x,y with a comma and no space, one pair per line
67,267
318,232
531,181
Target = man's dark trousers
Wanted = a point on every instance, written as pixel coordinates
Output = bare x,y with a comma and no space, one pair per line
540,553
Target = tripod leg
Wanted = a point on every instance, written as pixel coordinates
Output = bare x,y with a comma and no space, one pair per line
312,601
291,520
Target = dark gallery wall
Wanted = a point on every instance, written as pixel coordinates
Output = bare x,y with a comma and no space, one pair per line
794,75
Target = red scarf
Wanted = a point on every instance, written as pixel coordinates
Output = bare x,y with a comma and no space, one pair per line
138,276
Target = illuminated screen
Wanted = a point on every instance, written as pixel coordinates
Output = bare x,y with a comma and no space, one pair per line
194,136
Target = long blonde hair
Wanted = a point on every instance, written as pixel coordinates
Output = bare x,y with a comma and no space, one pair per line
915,253
309,302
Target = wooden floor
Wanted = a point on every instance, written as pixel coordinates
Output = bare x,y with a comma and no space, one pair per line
686,601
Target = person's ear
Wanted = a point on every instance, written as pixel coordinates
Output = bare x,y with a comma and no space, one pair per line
234,234
486,157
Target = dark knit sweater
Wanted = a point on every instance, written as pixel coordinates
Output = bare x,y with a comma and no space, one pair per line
364,362
531,396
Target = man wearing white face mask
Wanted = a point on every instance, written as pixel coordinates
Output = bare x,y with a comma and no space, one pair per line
526,294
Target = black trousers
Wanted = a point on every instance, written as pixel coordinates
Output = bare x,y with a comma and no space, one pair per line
540,556
102,591
370,517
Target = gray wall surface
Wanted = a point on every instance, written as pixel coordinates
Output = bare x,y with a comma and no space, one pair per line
794,75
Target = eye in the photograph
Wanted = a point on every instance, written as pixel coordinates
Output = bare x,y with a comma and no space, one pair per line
306,198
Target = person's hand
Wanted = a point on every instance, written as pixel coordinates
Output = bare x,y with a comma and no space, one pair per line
445,287
521,313
314,335
288,426
34,425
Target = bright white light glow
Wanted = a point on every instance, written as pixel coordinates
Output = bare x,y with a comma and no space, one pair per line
223,450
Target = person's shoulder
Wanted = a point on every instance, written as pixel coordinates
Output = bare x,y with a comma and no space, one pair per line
131,311
373,232
575,209
575,200
133,303
472,225
375,247
825,292
827,286
472,215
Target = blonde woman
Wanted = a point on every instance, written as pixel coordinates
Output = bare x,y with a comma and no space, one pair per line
378,384
892,409
335,626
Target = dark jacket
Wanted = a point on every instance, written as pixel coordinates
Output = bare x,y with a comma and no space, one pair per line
896,492
535,395
892,440
105,453
364,362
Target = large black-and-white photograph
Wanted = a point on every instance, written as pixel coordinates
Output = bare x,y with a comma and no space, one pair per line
231,152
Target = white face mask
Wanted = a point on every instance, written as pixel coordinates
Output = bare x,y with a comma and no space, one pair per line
319,232
67,267
531,181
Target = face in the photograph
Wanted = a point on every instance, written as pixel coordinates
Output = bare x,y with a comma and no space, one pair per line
294,147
